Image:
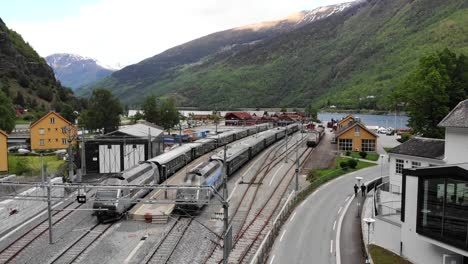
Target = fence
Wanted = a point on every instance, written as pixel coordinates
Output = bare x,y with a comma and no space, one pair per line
387,200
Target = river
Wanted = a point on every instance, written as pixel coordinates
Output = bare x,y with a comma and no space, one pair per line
395,121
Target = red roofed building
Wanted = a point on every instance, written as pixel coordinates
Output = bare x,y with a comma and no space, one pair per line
238,118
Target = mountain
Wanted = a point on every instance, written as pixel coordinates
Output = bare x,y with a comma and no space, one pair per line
75,71
26,77
337,54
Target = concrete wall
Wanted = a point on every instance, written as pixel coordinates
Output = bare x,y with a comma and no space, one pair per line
456,145
387,235
417,248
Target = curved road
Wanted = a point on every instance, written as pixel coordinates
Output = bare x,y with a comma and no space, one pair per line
309,235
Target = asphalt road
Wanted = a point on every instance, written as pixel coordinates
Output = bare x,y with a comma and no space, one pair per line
309,235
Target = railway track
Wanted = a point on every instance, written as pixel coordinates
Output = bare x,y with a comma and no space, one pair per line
9,253
249,238
80,245
243,209
166,247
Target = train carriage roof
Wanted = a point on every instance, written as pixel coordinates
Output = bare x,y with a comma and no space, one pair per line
168,156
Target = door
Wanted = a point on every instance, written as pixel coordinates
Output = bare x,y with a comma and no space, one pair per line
133,154
109,158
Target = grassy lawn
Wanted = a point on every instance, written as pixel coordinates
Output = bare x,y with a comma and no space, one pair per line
383,256
22,122
387,149
337,170
31,165
370,156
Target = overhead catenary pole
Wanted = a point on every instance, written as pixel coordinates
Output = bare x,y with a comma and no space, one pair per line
297,168
49,212
83,152
70,153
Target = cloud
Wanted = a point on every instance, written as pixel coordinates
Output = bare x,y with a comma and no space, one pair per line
126,32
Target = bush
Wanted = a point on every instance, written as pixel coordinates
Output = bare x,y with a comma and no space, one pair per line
404,137
348,153
344,165
363,154
352,163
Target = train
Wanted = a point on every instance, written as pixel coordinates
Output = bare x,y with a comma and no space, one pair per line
315,137
109,204
236,156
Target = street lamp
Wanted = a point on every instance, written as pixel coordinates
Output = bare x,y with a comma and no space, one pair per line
359,179
368,221
381,165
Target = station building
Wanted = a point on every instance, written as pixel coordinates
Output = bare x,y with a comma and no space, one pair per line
355,136
422,212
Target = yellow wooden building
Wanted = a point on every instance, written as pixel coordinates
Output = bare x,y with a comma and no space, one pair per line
356,137
345,121
3,152
51,132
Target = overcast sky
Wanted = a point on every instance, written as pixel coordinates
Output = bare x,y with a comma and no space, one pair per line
127,31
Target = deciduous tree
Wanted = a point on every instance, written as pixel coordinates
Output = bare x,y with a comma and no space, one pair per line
7,114
103,111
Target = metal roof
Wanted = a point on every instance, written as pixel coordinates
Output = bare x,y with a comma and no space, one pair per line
421,147
458,117
138,130
174,153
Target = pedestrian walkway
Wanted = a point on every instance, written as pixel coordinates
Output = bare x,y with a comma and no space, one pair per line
352,251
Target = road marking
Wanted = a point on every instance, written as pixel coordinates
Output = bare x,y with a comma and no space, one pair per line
339,210
331,246
134,251
274,175
272,258
284,232
338,232
334,225
292,217
347,197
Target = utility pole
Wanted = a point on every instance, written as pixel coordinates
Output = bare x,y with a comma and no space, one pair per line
180,134
83,152
49,212
225,191
227,233
70,153
297,168
286,152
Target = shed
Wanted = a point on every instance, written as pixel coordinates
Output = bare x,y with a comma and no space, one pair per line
123,148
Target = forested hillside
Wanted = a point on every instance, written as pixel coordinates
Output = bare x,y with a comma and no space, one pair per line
26,78
353,58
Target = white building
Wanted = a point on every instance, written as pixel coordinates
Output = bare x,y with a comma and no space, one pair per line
428,222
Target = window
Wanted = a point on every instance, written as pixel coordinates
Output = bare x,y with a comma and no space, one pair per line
64,141
41,142
415,164
345,144
48,129
52,120
41,131
399,166
357,131
64,130
368,145
443,210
